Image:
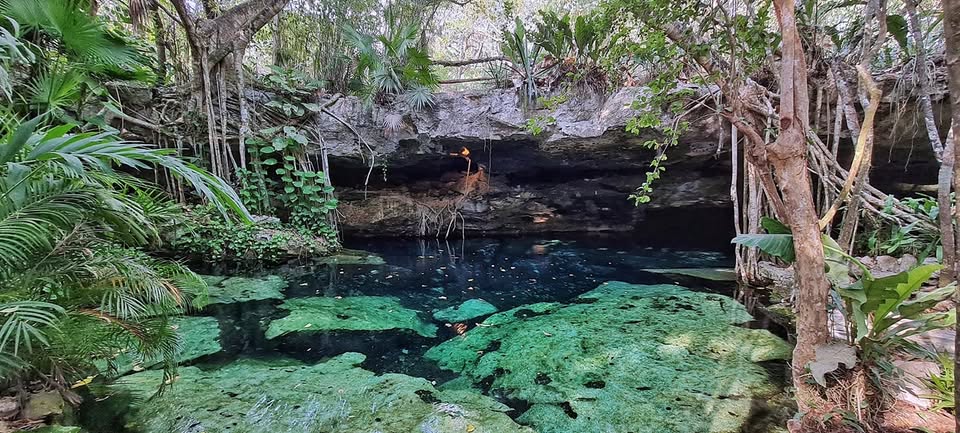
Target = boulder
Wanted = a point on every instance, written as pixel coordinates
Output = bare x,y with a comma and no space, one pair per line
9,408
42,405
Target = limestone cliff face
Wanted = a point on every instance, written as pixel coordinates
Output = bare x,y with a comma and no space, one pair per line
575,175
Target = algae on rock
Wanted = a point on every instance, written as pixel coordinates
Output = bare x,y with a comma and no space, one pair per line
352,257
471,309
283,396
198,336
243,289
352,313
623,358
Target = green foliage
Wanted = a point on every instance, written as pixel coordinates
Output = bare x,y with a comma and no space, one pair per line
278,155
942,384
201,232
12,53
893,239
577,46
392,64
291,81
537,124
74,287
881,312
71,53
524,54
884,311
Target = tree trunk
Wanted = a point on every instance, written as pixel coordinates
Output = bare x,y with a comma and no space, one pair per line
159,34
277,41
944,184
788,155
920,66
951,32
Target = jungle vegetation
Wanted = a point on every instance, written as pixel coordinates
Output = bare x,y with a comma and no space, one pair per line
83,211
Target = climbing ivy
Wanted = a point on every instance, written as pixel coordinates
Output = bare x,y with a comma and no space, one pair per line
281,166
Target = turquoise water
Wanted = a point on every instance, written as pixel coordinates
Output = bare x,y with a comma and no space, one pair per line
370,338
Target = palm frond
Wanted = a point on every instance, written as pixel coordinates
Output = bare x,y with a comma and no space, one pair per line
94,154
81,35
52,92
419,97
25,324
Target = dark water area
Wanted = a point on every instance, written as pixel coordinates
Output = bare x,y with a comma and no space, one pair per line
429,275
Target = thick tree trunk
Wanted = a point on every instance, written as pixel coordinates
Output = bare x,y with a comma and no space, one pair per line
239,22
788,156
951,32
277,41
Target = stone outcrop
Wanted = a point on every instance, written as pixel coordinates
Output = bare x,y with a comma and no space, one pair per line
406,177
575,175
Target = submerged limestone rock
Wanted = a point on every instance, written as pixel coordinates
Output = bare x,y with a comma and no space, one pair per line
336,396
352,257
623,358
243,289
353,313
198,337
471,309
712,274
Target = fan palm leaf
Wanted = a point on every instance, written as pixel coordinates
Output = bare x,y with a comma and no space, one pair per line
81,35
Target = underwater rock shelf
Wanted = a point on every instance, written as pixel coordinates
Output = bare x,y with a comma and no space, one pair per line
242,289
352,313
199,336
623,358
282,396
471,309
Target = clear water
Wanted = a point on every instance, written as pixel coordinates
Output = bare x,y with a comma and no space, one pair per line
426,275
507,272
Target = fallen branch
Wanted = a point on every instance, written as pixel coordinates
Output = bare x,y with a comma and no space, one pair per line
457,63
466,80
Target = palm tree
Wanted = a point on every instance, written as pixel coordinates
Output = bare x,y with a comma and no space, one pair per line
392,63
74,288
71,53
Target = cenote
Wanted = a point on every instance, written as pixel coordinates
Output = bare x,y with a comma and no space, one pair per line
546,334
478,216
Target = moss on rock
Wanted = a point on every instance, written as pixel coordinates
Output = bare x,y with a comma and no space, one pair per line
198,337
243,289
471,309
282,396
353,313
623,358
352,257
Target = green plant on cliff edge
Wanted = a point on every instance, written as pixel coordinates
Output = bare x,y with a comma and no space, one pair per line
392,63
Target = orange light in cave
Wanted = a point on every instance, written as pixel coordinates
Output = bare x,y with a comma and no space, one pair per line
464,152
540,219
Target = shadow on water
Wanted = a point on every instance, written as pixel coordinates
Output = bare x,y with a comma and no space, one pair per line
429,275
